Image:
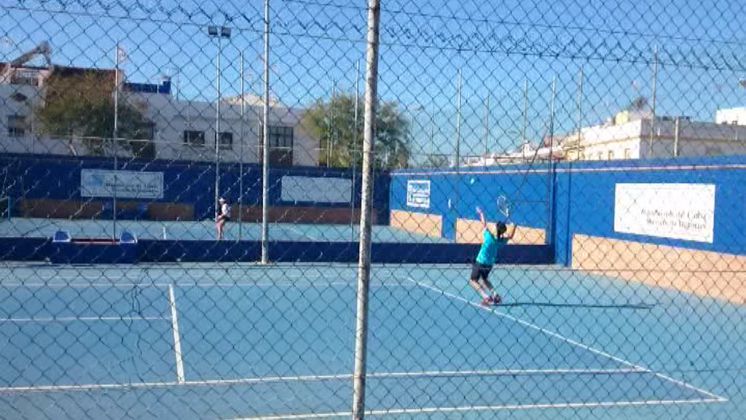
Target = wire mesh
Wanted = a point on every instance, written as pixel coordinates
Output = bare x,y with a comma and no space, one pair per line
133,204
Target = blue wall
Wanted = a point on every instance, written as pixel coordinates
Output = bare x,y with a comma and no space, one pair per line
585,199
58,177
528,189
582,197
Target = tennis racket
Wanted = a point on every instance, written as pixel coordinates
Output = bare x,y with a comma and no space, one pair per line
503,206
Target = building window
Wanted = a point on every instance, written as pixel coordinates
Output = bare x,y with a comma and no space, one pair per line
194,138
611,155
25,77
582,155
280,137
627,153
280,145
16,126
600,156
226,140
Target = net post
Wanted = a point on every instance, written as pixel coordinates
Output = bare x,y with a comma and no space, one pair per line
363,269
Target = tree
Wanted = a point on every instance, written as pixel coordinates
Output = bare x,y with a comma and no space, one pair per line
436,161
333,123
82,105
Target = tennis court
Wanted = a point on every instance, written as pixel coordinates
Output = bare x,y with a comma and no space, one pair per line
246,341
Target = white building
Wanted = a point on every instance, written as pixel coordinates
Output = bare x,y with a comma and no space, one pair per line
185,130
181,129
645,138
735,116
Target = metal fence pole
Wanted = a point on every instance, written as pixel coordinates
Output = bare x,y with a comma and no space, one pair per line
217,126
265,141
458,122
115,134
353,155
550,173
580,109
363,269
240,153
653,105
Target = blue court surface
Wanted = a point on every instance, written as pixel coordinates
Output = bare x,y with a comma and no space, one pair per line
248,341
204,230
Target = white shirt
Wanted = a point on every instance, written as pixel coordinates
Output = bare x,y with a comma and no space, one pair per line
225,210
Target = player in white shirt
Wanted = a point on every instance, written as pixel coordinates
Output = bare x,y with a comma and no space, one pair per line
222,217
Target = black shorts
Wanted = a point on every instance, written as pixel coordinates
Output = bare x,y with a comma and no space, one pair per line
480,271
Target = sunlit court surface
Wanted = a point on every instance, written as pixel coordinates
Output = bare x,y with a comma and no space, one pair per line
227,341
399,209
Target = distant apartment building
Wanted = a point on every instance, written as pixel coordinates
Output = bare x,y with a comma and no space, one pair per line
633,134
186,129
637,136
179,129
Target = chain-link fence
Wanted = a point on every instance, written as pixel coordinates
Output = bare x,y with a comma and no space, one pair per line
556,194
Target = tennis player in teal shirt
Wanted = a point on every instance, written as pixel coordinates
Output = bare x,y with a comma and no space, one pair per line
491,245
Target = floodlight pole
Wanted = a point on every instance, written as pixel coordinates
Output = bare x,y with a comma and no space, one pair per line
265,142
219,33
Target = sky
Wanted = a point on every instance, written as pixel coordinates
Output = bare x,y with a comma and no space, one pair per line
500,48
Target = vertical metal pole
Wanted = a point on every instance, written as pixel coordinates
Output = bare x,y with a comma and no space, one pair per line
240,153
363,269
676,133
525,117
580,108
432,132
486,126
655,88
217,125
354,150
265,141
458,122
331,124
550,190
115,133
551,118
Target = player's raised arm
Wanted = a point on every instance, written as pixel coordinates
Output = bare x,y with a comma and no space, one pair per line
511,232
481,218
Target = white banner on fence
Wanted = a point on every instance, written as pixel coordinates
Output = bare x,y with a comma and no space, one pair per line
316,189
418,194
678,211
127,184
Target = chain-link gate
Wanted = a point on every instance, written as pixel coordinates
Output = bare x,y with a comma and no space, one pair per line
549,197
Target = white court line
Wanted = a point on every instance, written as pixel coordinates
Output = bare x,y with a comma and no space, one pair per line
200,285
177,336
569,340
84,318
215,271
312,378
442,410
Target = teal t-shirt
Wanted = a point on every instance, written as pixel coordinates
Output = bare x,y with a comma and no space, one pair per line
490,246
